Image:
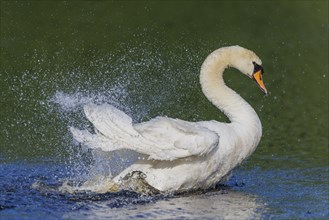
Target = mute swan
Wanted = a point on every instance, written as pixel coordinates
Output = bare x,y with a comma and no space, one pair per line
182,155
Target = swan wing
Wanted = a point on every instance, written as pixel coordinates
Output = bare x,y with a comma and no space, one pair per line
161,138
178,138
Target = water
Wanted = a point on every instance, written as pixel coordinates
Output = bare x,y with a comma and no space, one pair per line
144,58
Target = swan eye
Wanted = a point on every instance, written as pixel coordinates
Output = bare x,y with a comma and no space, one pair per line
257,67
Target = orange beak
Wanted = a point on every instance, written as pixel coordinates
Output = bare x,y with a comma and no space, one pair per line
258,77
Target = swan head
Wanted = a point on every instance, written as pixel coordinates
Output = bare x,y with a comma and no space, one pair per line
248,63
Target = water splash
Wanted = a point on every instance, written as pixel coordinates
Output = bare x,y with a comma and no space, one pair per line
69,102
143,81
139,82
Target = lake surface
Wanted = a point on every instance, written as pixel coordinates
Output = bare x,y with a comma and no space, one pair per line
144,58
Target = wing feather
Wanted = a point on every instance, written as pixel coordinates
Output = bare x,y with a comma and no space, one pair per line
161,138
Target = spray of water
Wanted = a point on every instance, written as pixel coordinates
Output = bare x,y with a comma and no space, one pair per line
144,81
141,82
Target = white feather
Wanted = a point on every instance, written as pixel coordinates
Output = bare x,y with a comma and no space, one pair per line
161,138
184,155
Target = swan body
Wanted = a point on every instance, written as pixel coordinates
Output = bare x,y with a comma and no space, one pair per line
182,155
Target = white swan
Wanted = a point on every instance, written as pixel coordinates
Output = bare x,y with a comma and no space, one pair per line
184,155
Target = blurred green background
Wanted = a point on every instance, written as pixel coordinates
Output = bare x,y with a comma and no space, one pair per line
144,57
154,50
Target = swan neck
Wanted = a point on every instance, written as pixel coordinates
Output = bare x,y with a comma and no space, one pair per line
224,98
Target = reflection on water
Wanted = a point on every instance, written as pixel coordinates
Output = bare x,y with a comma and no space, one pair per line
250,194
227,205
38,193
